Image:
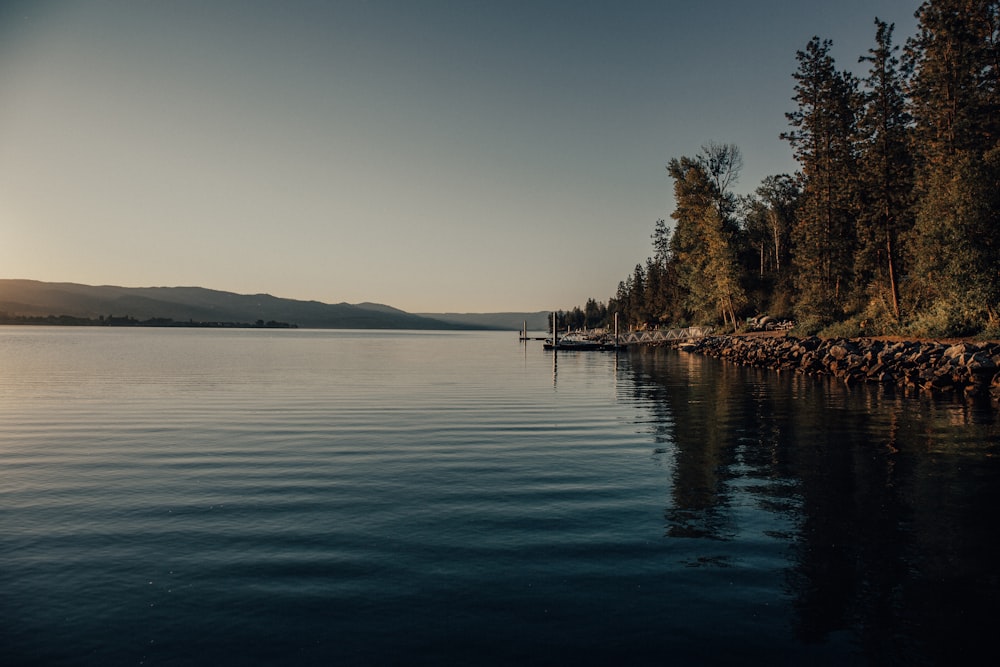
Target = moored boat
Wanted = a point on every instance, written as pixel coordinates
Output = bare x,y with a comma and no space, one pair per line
583,340
580,342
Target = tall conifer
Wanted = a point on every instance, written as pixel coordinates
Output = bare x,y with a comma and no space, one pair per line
886,175
823,142
955,97
704,240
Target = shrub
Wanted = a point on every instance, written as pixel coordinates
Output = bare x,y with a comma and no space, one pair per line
850,328
943,320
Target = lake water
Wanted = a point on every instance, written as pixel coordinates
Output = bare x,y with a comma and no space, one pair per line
244,497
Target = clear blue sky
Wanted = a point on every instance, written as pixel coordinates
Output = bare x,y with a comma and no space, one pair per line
463,156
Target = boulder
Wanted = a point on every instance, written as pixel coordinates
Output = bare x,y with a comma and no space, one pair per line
838,352
961,349
910,365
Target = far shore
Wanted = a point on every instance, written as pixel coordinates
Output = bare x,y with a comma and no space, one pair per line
73,321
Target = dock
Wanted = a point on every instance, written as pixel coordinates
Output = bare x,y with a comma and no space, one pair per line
601,340
665,335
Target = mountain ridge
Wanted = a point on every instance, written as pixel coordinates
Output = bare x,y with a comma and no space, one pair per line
535,321
34,298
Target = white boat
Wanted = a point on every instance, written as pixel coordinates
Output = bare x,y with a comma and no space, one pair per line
577,341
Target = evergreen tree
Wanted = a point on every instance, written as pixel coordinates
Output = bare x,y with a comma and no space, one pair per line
893,214
722,271
656,296
768,215
665,295
768,218
638,311
955,101
594,314
704,239
823,143
754,214
622,301
661,241
953,89
692,198
886,174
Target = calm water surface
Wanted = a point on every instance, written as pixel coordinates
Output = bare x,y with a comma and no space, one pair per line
222,497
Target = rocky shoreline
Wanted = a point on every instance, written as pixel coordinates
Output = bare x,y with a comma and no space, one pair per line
964,368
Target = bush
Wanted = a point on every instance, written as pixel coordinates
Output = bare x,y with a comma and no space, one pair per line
990,333
850,328
808,327
943,320
877,319
782,304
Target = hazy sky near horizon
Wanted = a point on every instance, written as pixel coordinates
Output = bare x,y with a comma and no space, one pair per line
432,155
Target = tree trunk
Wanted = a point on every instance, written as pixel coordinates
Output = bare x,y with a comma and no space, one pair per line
893,287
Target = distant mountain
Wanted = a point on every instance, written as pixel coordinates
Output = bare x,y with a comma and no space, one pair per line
538,321
182,304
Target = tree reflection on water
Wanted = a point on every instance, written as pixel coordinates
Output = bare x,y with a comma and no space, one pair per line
889,499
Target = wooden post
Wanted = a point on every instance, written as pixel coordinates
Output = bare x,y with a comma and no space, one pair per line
555,329
616,329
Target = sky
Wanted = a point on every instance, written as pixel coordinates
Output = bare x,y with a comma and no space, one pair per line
431,155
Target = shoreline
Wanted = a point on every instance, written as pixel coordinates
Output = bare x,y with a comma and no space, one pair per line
961,368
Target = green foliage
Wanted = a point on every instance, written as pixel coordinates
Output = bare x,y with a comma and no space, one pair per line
954,87
852,327
768,217
706,239
822,139
886,175
782,304
990,333
955,95
892,224
809,326
942,320
661,241
878,317
957,258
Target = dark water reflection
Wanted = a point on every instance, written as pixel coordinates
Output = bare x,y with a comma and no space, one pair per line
211,497
890,500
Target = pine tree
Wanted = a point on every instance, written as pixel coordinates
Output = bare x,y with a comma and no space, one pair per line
705,237
661,241
886,174
953,91
722,271
769,214
823,143
955,103
638,311
595,314
692,197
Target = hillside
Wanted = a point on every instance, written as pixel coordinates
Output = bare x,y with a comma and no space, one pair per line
182,304
537,321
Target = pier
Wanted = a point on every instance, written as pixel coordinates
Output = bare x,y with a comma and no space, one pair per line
602,340
664,335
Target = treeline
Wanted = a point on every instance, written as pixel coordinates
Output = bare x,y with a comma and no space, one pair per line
889,226
129,321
